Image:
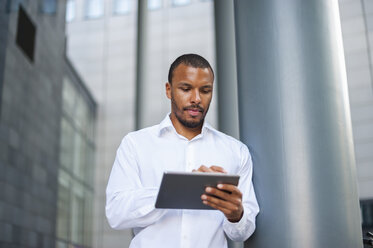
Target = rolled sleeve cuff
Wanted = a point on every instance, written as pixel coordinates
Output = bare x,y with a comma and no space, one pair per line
241,230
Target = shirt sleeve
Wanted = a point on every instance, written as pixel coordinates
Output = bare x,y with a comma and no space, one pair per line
242,230
128,203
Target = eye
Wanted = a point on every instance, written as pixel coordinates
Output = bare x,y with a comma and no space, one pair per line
206,91
185,89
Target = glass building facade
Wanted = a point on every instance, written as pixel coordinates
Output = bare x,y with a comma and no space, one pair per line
46,132
76,173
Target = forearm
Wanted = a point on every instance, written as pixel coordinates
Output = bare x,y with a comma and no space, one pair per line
132,208
242,230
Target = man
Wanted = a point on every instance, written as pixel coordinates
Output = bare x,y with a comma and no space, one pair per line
183,141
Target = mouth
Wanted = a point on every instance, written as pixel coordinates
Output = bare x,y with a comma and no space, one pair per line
194,111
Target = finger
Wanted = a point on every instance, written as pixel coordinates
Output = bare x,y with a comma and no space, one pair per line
216,168
203,168
222,209
235,199
230,188
217,192
219,202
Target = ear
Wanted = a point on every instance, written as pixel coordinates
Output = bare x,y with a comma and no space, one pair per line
168,90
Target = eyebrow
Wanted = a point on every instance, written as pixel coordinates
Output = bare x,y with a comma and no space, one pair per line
184,84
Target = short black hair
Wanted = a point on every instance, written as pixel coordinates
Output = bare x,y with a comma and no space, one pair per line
193,60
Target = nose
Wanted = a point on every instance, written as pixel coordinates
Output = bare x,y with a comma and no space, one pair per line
196,97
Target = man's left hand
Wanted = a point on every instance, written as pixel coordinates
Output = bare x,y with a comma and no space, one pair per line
227,198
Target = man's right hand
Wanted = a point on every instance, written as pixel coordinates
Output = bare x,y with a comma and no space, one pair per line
213,168
226,198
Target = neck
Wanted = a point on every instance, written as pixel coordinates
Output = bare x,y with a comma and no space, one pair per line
187,132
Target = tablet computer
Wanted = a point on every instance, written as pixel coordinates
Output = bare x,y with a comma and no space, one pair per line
183,190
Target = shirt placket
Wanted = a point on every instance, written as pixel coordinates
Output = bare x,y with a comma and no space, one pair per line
189,156
185,225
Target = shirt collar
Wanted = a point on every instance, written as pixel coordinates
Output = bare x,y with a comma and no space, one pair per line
166,124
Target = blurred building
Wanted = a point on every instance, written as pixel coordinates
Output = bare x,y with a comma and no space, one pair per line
46,131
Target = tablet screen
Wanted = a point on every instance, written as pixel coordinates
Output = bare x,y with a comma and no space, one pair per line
183,190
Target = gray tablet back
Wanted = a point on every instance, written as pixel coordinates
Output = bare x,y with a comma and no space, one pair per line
183,190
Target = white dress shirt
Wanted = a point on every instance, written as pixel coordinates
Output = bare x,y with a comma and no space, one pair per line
141,159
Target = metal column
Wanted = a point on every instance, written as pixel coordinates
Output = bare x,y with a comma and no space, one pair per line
141,62
295,118
226,68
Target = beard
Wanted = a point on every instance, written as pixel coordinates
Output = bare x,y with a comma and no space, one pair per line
188,123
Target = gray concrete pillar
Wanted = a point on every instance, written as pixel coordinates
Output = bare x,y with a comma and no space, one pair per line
295,119
226,72
141,62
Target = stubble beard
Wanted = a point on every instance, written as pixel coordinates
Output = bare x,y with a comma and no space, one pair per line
184,122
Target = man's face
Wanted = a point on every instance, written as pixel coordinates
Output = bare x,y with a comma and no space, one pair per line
190,94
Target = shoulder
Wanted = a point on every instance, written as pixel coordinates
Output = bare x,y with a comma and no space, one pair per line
140,135
226,138
237,149
230,143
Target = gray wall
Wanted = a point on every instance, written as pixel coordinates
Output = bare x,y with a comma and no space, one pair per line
29,130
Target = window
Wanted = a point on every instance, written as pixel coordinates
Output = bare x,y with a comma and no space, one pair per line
121,7
70,10
180,2
26,33
77,213
154,4
94,8
67,142
48,6
63,206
